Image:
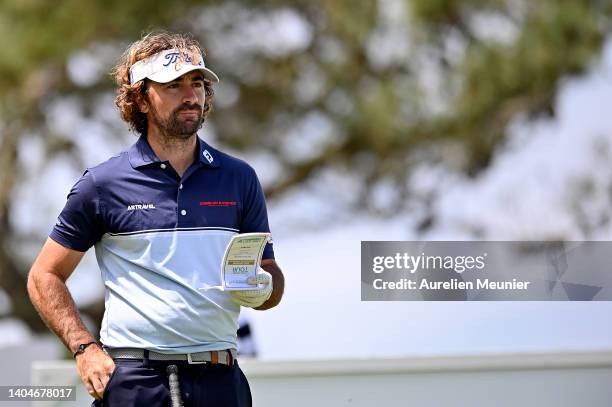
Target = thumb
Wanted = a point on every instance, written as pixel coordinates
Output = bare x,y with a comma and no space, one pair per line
263,277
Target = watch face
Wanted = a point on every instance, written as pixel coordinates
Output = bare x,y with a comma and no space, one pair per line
83,346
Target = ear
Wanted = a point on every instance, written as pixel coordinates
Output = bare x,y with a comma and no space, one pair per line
143,104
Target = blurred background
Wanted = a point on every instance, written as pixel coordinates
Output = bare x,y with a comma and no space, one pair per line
365,120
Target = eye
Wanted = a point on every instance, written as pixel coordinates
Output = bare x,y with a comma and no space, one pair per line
198,84
172,85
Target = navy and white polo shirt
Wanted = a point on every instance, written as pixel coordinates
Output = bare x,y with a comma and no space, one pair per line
159,242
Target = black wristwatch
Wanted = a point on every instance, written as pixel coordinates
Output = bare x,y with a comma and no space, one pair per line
82,348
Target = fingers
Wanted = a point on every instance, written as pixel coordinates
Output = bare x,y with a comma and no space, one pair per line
91,391
254,298
261,278
99,385
104,381
105,377
252,303
96,385
251,298
251,293
95,369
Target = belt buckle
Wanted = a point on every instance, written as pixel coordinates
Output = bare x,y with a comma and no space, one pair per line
193,362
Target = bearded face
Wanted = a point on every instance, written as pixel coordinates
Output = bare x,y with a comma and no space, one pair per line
175,110
181,123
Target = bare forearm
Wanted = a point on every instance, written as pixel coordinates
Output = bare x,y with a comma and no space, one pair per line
278,285
56,307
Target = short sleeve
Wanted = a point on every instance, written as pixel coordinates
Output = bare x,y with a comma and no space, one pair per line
78,226
255,214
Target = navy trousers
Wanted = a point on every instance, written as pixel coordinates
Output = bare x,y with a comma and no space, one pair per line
144,383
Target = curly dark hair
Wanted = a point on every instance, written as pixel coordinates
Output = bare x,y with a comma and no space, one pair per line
150,44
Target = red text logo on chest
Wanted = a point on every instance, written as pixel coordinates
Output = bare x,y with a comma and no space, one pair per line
218,203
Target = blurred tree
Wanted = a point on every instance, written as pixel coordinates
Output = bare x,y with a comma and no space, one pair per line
363,88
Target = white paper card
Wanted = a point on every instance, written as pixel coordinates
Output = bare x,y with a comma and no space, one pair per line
241,260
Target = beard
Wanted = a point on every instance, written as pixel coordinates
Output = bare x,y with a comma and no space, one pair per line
176,128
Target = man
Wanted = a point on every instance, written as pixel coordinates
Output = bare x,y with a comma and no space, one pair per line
159,215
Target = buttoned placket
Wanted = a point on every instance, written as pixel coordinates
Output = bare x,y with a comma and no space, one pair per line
143,154
181,210
169,170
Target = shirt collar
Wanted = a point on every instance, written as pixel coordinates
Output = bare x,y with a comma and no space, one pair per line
208,155
141,153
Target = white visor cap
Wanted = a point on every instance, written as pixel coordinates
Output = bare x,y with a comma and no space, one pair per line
166,66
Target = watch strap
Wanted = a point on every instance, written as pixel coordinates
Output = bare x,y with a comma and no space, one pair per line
82,348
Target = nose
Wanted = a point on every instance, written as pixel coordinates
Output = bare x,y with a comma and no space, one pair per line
190,95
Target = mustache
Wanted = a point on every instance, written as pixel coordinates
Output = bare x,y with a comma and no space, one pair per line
187,106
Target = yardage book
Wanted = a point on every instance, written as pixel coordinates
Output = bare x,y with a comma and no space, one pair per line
241,260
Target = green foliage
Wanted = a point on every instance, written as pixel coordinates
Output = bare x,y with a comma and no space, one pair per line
381,106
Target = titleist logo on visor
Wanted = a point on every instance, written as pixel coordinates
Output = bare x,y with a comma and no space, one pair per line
177,59
168,65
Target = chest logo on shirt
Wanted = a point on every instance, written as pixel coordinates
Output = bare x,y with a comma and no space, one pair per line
140,206
218,203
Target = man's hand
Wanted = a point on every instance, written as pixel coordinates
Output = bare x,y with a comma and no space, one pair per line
95,368
254,298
